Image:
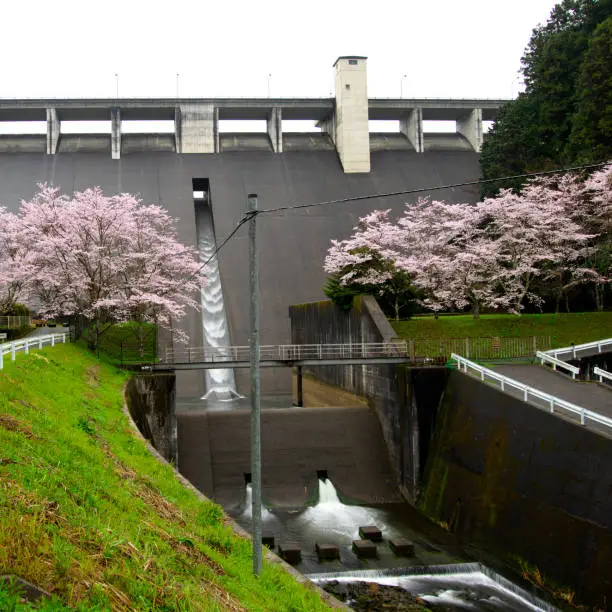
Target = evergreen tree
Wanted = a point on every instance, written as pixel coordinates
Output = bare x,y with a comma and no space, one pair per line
591,137
563,116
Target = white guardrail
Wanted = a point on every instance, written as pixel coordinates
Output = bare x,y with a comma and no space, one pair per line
602,374
25,344
557,363
598,344
530,393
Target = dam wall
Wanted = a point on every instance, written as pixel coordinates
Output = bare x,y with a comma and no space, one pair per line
345,442
405,398
524,484
292,244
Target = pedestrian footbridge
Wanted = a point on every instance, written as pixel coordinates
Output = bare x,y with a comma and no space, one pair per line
288,355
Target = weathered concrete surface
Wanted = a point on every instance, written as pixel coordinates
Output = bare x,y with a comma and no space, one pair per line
405,399
524,484
317,394
151,399
214,454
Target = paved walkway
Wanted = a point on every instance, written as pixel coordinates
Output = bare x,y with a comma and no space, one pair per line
589,395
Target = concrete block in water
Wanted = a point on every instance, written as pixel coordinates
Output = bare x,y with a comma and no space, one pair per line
291,553
370,532
402,548
327,552
365,549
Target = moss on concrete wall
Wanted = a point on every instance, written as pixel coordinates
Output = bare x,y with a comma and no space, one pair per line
525,484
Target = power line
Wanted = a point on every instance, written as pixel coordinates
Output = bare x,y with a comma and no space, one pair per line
242,221
374,196
427,189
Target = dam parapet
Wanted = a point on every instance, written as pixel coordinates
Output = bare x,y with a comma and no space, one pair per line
197,125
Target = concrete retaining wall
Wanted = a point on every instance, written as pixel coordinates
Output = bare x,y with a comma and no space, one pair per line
405,399
296,442
524,483
151,399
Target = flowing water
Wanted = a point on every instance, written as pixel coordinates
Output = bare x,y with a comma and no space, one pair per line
220,384
436,572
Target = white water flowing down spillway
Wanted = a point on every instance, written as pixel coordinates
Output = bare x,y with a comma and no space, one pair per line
221,383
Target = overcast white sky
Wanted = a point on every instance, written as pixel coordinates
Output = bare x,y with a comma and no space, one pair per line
454,48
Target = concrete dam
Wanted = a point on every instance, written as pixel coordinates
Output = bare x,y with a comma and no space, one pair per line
326,471
343,159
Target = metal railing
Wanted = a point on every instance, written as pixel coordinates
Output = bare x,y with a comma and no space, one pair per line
530,394
288,352
602,374
14,322
494,347
25,344
598,344
557,363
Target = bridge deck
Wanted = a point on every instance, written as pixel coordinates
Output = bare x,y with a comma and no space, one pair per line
589,395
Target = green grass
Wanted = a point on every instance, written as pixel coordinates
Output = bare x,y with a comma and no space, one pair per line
563,329
87,514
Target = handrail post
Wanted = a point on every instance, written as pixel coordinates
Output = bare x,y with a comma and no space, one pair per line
13,352
52,340
26,347
40,342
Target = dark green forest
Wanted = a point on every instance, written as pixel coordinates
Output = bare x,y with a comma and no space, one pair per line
564,116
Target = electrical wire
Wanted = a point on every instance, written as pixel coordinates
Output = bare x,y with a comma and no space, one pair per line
242,221
374,196
427,189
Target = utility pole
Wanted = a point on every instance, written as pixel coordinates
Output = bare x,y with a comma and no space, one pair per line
255,385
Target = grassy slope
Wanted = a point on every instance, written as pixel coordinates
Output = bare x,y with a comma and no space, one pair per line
562,328
87,513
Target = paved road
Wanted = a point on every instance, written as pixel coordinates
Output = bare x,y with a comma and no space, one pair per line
589,395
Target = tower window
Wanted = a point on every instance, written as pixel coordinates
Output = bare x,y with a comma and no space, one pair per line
347,86
353,62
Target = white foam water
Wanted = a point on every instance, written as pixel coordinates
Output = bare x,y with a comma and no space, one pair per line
220,383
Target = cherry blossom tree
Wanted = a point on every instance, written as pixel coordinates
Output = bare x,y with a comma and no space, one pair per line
12,251
108,258
597,218
496,254
441,245
529,233
364,261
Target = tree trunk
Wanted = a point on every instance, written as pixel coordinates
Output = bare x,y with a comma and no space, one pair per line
396,307
476,310
599,294
567,306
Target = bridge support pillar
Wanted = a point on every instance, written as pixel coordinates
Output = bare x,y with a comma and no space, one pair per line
116,133
470,127
275,129
300,388
412,127
53,131
196,128
351,121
